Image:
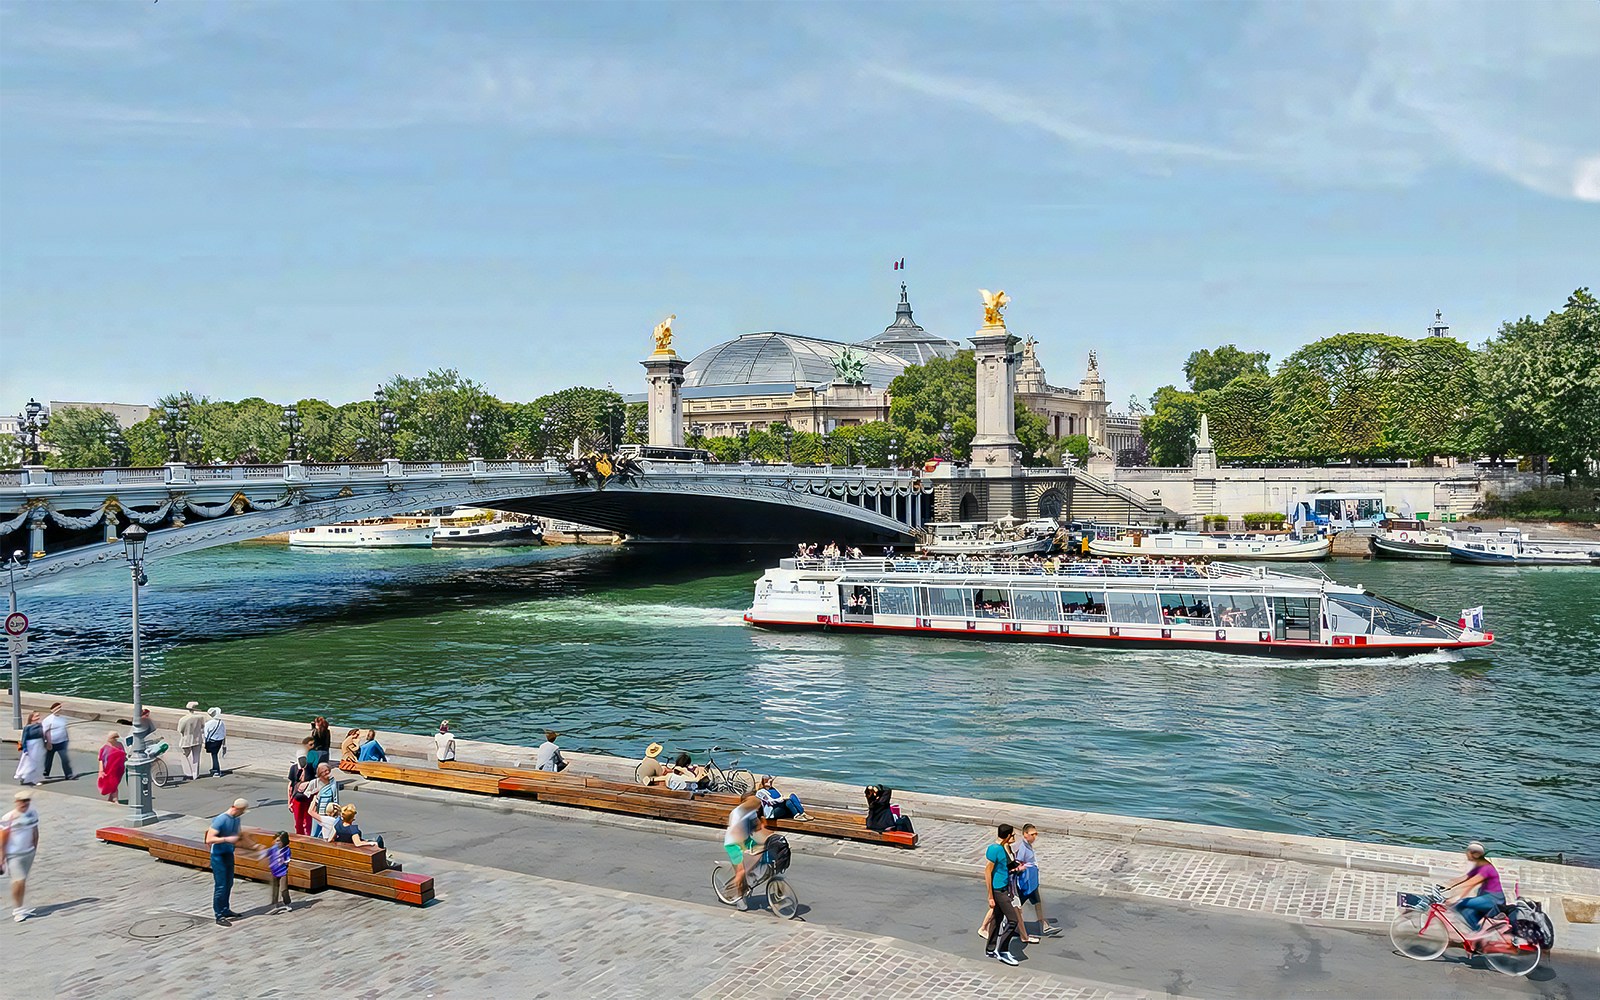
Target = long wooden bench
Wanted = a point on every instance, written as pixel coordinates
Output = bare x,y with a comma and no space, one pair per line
608,795
482,784
314,865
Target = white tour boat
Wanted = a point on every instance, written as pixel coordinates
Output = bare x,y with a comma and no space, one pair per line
381,533
1213,545
477,527
1510,547
1103,603
1006,537
1398,538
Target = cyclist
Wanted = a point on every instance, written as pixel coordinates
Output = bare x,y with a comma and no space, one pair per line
740,842
1483,878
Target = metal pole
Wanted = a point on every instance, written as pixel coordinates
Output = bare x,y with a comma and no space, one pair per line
16,673
140,808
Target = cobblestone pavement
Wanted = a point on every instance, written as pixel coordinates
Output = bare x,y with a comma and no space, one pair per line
1329,892
112,922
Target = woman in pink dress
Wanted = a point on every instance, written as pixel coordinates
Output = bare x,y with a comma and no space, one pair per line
113,761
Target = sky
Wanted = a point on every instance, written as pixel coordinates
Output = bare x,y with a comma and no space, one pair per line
303,199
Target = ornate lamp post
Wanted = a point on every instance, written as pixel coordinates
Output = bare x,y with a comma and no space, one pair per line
291,425
31,423
475,436
744,444
183,442
948,437
697,435
894,457
787,434
614,413
547,427
11,566
388,423
141,805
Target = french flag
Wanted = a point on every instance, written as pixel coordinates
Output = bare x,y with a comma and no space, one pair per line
900,265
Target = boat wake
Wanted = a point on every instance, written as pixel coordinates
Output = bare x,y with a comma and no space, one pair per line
634,615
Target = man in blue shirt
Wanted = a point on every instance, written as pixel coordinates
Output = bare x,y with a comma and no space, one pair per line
222,835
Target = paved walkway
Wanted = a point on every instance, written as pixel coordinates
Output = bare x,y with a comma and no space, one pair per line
112,923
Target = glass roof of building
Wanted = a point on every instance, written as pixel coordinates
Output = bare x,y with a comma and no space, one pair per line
757,358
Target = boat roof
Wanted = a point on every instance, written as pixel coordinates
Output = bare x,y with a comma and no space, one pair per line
1004,571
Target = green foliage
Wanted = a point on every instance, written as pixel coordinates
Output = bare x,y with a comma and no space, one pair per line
1545,504
79,437
926,397
1208,370
1241,419
1264,519
580,413
1170,428
1336,397
1541,384
1214,522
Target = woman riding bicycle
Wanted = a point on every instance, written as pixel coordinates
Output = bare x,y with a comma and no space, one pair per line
1483,878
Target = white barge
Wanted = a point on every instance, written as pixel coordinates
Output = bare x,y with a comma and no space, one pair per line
1249,547
1101,603
1510,547
375,534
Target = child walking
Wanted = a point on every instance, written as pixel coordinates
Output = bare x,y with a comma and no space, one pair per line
278,864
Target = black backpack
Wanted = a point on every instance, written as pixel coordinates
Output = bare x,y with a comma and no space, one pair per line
1529,922
778,853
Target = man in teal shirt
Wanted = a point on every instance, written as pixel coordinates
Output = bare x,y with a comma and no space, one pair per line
221,836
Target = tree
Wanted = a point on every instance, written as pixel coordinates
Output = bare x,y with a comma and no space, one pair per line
1215,369
433,412
1170,428
1336,398
1541,384
1241,419
576,413
78,438
923,398
1437,399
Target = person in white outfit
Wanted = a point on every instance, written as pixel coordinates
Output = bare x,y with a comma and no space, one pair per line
191,734
19,845
216,733
55,741
444,743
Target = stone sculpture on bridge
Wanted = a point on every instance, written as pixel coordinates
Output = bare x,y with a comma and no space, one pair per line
993,305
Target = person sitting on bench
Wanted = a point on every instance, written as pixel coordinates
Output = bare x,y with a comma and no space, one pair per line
686,776
370,748
323,823
651,770
776,805
345,830
881,814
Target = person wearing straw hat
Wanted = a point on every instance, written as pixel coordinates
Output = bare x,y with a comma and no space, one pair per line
651,771
221,836
191,734
19,844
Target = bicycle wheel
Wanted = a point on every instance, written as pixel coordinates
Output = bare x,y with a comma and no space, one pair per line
741,782
724,884
158,773
1417,936
781,897
1511,959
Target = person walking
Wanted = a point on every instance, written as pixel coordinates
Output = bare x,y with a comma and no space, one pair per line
216,738
55,741
299,798
191,730
326,790
1006,919
444,743
30,751
221,836
19,845
1028,880
278,866
113,762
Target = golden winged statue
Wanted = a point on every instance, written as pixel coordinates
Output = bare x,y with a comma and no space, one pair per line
663,335
993,304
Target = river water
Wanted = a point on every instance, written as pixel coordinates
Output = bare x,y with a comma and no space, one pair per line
616,648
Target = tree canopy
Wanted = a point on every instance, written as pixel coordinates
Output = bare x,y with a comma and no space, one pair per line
1214,369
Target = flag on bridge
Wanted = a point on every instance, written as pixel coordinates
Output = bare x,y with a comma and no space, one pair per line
900,265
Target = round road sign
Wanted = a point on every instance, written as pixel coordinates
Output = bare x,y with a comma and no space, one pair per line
16,623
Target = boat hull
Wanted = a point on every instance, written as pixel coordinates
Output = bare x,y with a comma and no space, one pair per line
1307,551
1285,649
388,538
504,536
1390,548
1494,558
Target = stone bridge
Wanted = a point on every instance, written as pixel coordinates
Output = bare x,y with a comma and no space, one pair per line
68,519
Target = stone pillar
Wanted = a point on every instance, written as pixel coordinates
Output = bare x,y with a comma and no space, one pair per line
664,375
995,446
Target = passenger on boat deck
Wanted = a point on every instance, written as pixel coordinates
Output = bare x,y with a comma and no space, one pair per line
854,552
370,748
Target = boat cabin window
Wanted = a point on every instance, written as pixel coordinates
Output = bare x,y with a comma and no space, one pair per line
1240,610
1083,606
1135,609
894,600
949,602
856,601
989,603
1186,609
1035,605
1368,614
1297,618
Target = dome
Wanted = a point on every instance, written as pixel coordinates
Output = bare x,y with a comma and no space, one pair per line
908,341
766,358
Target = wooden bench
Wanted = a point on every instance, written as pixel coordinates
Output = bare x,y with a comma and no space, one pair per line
315,864
482,784
609,795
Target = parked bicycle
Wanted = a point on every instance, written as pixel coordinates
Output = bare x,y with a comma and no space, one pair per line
1427,924
767,872
732,780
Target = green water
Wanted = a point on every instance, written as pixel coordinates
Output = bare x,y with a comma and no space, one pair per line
616,649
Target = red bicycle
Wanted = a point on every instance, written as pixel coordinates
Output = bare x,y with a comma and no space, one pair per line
1427,924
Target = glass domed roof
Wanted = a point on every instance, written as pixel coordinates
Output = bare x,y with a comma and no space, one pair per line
908,341
762,358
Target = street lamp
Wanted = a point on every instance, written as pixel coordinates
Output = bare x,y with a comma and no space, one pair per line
894,445
948,437
475,435
291,425
787,434
141,806
388,423
12,565
547,426
744,444
31,422
614,413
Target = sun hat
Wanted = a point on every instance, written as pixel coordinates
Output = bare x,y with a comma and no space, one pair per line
653,750
22,795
